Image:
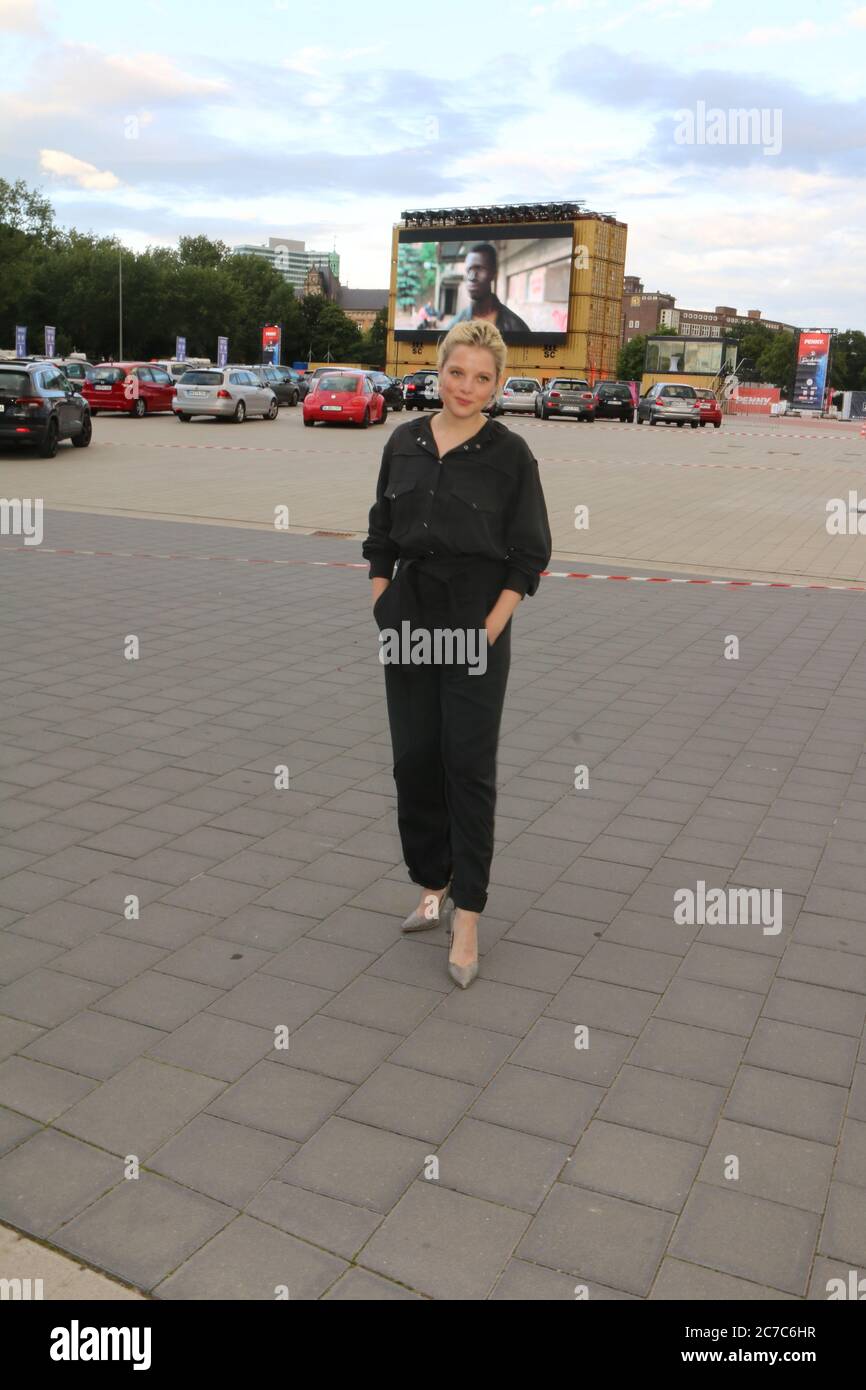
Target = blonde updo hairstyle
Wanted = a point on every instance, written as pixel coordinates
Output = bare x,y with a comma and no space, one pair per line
474,333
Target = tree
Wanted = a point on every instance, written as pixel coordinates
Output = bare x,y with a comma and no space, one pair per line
777,363
201,251
375,341
25,210
629,363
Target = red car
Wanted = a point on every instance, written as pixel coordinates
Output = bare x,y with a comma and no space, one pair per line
135,388
711,411
347,396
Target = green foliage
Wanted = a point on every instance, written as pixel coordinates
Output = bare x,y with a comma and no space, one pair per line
374,342
199,290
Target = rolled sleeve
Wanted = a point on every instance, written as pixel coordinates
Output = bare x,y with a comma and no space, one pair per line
378,548
528,532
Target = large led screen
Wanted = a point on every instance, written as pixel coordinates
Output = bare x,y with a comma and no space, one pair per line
517,277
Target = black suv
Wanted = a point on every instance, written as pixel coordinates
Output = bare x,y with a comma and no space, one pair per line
389,388
419,393
613,401
40,406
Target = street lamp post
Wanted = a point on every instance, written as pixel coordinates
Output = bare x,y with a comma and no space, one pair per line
120,302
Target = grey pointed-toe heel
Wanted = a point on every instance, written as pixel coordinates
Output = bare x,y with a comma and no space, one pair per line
416,921
463,975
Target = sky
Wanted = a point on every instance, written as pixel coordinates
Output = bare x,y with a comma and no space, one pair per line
326,122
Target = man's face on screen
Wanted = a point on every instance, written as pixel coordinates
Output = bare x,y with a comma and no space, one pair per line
479,276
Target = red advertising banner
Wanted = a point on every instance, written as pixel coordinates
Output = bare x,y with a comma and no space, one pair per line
753,400
270,335
810,379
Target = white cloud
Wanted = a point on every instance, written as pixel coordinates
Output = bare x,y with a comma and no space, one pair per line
777,33
66,166
858,17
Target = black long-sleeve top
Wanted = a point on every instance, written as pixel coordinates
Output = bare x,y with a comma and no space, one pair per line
483,498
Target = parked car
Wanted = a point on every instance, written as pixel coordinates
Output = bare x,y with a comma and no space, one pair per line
174,367
566,396
390,388
282,381
309,380
613,401
421,391
228,393
345,396
39,406
711,410
518,393
672,402
75,369
132,388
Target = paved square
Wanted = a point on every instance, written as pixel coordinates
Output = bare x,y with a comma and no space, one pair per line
222,1069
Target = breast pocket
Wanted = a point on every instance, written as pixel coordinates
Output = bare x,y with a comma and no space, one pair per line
476,506
405,493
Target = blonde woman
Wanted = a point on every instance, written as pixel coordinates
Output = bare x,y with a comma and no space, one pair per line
460,510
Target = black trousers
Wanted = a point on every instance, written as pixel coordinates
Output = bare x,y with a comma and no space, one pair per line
444,734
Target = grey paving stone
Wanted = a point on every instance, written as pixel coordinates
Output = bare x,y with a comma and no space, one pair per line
679,1281
455,1050
630,1163
385,1004
731,1011
628,965
107,959
158,1001
211,1046
50,1178
318,963
281,1100
836,969
551,1107
728,966
683,1050
500,1165
362,1286
110,893
788,1047
209,961
46,997
443,1243
748,1237
601,1238
555,932
333,1047
816,1006
139,1107
20,954
208,893
780,1167
15,1035
678,1107
262,927
226,1161
266,1001
597,1004
336,1226
29,891
851,1163
358,1164
143,1229
39,1091
513,963
521,1281
14,1129
250,1260
789,1104
489,1004
92,1044
551,1046
843,1234
404,1101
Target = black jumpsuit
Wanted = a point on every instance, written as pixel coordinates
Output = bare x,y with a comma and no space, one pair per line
461,529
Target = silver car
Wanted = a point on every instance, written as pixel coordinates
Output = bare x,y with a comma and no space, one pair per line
672,403
518,393
229,393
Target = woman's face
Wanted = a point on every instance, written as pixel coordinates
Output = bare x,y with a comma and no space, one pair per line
467,381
